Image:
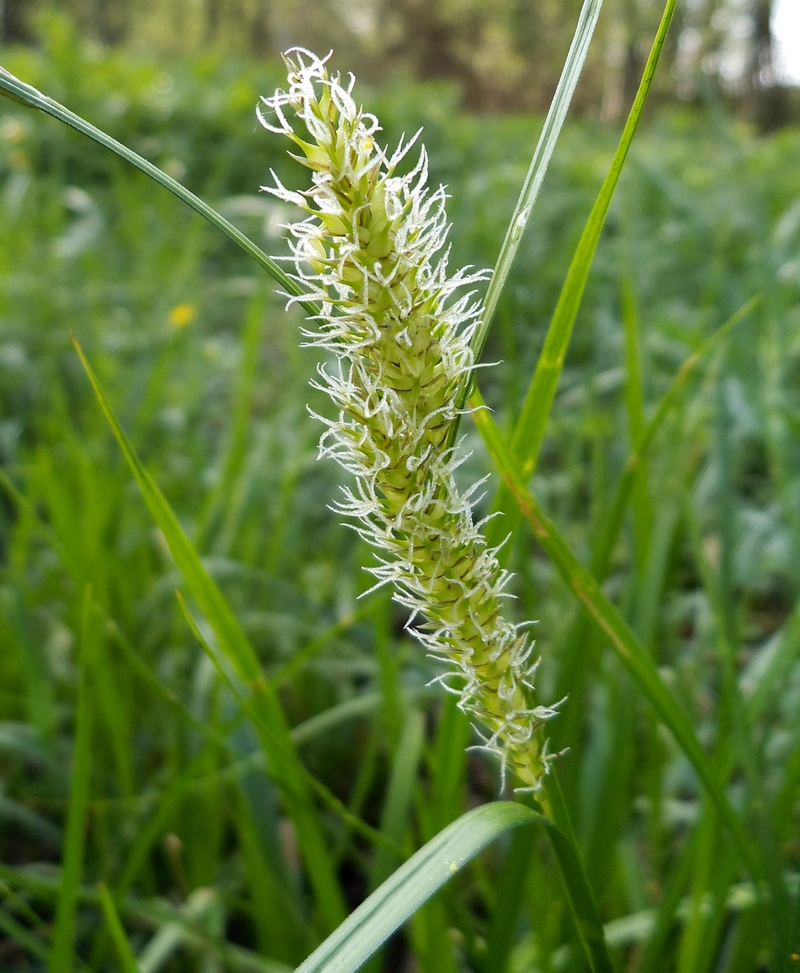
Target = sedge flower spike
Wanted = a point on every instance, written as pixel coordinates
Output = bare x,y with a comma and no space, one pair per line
372,254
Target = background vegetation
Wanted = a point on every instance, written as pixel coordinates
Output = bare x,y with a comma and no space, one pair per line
203,367
502,53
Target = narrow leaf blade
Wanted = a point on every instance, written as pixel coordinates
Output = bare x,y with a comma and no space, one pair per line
620,636
26,94
60,959
435,864
553,124
124,951
530,429
280,751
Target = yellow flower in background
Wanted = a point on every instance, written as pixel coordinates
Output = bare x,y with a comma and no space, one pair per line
182,314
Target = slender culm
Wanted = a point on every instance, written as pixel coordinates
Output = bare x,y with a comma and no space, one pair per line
372,253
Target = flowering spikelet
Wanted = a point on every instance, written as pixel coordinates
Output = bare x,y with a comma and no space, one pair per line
371,255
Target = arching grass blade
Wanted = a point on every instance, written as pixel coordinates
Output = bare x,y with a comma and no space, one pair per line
431,867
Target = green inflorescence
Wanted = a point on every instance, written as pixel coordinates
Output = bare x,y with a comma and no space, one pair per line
371,254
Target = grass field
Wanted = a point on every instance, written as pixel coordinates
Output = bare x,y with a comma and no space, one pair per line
127,761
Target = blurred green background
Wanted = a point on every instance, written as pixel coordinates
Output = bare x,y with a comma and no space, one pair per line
203,367
503,54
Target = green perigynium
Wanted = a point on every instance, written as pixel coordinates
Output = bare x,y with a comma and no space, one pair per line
372,255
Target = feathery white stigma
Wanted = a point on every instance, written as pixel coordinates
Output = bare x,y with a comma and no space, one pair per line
372,254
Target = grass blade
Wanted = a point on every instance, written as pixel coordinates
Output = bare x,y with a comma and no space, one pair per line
24,939
126,956
532,423
250,706
634,406
26,94
283,760
612,523
60,959
620,636
537,170
430,868
510,898
399,794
